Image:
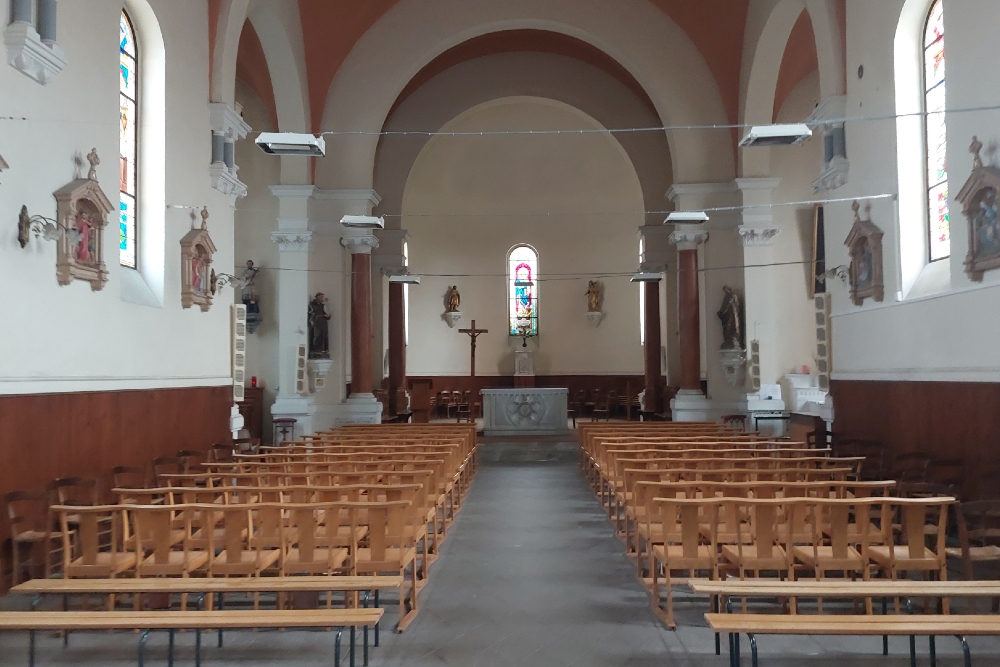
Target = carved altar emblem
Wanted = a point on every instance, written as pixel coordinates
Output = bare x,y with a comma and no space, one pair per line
82,211
864,244
197,249
525,409
979,204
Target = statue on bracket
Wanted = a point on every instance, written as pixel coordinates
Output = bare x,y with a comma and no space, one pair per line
82,211
731,316
249,296
979,204
197,283
452,299
319,328
594,314
864,243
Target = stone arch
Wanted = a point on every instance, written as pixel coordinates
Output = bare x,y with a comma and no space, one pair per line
463,86
655,51
232,16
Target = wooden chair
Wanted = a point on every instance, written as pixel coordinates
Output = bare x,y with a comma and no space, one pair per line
676,545
85,553
223,453
310,551
948,472
842,537
768,522
74,491
735,421
463,409
904,526
391,549
193,458
30,529
979,539
911,467
129,477
601,407
156,542
167,465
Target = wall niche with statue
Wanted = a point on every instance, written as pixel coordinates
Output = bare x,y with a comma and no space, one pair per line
978,198
197,276
82,211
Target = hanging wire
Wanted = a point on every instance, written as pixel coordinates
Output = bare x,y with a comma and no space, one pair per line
661,128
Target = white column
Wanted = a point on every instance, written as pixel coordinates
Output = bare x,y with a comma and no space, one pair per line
20,11
47,21
294,240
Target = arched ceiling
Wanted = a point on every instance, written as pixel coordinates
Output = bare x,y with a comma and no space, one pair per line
251,69
525,41
800,60
332,27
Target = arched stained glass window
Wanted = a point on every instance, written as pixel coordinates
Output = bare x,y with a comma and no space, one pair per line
939,232
128,87
522,291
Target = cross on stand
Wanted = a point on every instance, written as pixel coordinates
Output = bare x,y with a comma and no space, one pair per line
474,333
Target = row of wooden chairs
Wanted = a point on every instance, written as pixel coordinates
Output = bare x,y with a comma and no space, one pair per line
792,536
33,528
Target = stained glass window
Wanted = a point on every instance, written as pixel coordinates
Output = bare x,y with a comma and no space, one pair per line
939,233
522,291
128,80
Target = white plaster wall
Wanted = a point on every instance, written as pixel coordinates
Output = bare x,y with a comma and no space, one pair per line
486,177
797,166
946,336
70,338
256,216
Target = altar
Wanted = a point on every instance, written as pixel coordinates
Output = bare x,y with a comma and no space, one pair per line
525,411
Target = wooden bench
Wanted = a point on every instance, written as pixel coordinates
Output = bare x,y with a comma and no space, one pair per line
216,585
929,625
146,621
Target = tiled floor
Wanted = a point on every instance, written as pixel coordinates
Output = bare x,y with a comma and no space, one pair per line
531,576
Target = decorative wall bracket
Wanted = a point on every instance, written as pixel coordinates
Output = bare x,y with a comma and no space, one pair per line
595,317
452,318
224,180
734,366
757,235
38,59
318,370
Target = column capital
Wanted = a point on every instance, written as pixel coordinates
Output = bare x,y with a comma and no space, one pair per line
292,241
757,235
830,111
688,238
359,245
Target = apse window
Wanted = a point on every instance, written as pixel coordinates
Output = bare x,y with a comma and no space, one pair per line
522,291
935,135
128,133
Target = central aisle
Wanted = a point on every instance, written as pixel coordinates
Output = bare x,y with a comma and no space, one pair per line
531,575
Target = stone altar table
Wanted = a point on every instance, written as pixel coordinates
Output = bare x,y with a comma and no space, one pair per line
525,411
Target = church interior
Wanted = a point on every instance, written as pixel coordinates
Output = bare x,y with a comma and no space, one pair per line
639,332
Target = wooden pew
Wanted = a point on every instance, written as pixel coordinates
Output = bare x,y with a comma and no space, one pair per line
930,625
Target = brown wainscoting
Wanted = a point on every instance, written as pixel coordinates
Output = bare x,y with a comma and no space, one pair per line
85,434
947,420
622,384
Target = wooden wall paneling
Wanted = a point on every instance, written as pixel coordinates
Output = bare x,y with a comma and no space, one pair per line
944,419
85,434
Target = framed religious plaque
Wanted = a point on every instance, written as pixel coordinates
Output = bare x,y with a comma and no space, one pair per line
978,198
864,244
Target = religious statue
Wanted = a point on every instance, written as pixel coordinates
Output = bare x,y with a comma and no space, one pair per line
593,297
452,299
731,316
319,328
94,160
249,290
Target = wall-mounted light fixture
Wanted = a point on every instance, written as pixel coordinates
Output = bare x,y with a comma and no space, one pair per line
42,227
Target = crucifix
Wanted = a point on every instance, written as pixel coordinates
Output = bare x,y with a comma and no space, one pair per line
474,333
